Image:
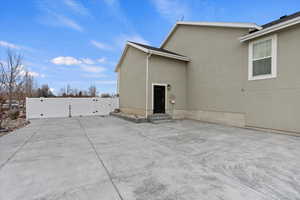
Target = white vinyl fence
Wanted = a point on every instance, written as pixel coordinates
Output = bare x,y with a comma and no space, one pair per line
69,107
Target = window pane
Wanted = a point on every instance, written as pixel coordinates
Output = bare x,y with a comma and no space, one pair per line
262,49
262,67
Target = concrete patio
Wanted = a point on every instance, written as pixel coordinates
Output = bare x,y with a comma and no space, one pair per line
109,158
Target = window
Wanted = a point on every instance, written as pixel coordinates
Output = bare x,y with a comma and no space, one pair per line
262,58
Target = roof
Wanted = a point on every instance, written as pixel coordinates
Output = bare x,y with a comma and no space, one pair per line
155,48
281,23
281,19
152,50
251,26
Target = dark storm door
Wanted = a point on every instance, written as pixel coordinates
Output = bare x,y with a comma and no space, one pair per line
159,98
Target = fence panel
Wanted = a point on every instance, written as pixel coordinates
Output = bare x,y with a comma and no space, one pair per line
67,107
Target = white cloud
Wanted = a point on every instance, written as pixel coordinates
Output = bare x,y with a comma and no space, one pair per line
55,19
173,10
104,60
68,60
77,7
105,82
101,45
9,45
101,60
67,22
14,46
53,13
92,69
88,61
34,74
31,73
85,64
24,69
122,39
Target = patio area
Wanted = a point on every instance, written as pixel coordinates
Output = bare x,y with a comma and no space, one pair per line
110,158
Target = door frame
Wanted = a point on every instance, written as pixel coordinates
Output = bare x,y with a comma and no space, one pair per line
166,95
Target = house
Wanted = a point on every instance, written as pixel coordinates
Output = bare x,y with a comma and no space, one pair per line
238,74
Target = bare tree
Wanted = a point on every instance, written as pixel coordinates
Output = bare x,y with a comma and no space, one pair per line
62,92
28,84
44,91
2,85
12,74
2,96
69,90
25,88
106,95
92,91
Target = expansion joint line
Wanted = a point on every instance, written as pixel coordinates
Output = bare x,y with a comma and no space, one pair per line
20,147
101,160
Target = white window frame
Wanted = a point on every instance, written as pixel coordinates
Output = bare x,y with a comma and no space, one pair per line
273,63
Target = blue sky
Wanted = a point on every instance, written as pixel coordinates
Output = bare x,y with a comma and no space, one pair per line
79,42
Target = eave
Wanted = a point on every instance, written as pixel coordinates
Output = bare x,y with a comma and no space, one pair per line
271,29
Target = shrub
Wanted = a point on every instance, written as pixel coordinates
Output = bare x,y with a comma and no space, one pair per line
14,114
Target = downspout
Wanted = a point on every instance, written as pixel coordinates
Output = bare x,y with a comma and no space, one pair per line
147,82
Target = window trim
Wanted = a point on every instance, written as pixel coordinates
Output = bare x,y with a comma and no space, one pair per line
273,56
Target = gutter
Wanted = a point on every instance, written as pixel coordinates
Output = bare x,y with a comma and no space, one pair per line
149,51
270,29
147,82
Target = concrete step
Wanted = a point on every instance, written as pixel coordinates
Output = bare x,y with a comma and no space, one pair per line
162,121
159,117
132,118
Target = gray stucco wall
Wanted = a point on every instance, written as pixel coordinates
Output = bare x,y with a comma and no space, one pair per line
133,82
216,74
214,86
275,103
168,71
218,89
215,77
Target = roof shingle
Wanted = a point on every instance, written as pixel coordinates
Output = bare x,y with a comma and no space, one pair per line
281,19
156,49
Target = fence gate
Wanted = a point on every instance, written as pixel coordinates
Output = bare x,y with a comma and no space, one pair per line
68,107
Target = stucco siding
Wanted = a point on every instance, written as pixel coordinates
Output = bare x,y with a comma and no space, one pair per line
168,71
216,75
214,85
133,82
275,103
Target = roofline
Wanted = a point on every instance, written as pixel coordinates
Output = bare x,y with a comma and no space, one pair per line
122,57
222,24
212,24
149,51
271,29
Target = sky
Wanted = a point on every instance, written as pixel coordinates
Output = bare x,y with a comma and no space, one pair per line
79,42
